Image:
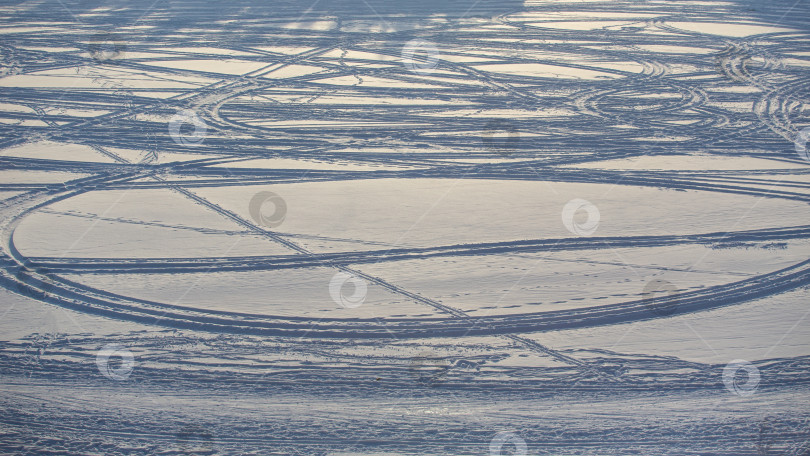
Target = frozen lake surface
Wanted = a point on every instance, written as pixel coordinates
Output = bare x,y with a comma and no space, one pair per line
368,227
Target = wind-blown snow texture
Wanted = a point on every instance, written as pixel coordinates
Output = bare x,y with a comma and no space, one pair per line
386,228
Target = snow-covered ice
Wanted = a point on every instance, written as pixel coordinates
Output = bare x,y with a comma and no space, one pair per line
367,227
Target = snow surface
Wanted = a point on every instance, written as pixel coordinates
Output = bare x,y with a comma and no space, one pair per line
367,227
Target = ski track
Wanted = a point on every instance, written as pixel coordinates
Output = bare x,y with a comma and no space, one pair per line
367,390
